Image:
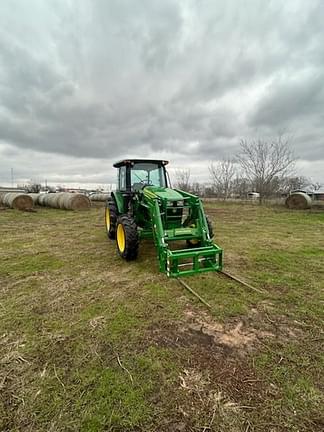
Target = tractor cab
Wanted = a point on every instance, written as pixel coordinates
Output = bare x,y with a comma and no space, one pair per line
135,174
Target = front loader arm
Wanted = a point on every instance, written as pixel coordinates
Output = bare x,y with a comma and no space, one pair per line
197,214
158,233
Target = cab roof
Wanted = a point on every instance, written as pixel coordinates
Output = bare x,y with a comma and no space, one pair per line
133,161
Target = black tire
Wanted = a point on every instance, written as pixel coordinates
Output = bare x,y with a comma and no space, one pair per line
111,219
195,243
127,237
210,228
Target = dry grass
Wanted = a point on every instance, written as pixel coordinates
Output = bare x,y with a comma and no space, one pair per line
89,342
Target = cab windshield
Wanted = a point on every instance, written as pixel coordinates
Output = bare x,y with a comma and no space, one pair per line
147,174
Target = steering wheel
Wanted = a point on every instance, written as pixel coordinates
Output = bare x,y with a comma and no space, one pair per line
146,183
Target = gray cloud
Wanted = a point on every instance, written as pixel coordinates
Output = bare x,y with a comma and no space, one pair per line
187,80
291,99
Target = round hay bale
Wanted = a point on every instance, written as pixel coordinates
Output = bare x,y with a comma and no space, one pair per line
2,194
75,201
17,201
298,201
34,197
45,200
65,200
52,200
42,199
99,197
60,201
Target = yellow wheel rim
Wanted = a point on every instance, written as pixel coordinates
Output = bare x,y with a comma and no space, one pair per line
107,218
121,240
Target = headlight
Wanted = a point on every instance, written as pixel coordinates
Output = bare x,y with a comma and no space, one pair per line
175,203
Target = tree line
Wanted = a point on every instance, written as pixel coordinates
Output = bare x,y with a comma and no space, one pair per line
262,166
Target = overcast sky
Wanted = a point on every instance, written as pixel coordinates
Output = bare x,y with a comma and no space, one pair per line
86,82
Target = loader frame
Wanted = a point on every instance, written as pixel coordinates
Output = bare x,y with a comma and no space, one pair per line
206,257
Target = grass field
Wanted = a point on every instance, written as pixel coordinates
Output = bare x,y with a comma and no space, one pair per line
89,342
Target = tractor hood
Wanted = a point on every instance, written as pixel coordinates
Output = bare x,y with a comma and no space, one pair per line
163,193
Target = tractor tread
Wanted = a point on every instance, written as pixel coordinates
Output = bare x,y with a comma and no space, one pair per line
113,218
210,227
132,239
211,235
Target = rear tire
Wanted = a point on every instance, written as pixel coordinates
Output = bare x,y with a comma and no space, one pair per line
127,237
111,219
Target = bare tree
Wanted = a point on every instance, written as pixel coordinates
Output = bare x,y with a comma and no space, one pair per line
264,162
197,188
209,191
241,187
292,183
222,174
316,186
32,187
183,179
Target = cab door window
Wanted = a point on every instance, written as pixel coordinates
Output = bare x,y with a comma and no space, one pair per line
122,178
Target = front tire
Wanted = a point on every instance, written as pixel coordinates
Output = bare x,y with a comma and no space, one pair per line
210,228
197,243
127,237
111,219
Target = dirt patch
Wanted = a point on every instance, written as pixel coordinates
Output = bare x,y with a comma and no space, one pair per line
235,336
200,332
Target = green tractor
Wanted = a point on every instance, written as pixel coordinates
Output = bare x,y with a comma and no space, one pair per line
145,206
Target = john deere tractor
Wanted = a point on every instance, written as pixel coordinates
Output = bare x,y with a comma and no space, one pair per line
145,206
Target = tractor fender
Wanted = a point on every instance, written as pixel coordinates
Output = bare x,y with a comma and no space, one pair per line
119,201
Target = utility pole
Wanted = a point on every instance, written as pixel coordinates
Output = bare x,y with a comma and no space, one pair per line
12,178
